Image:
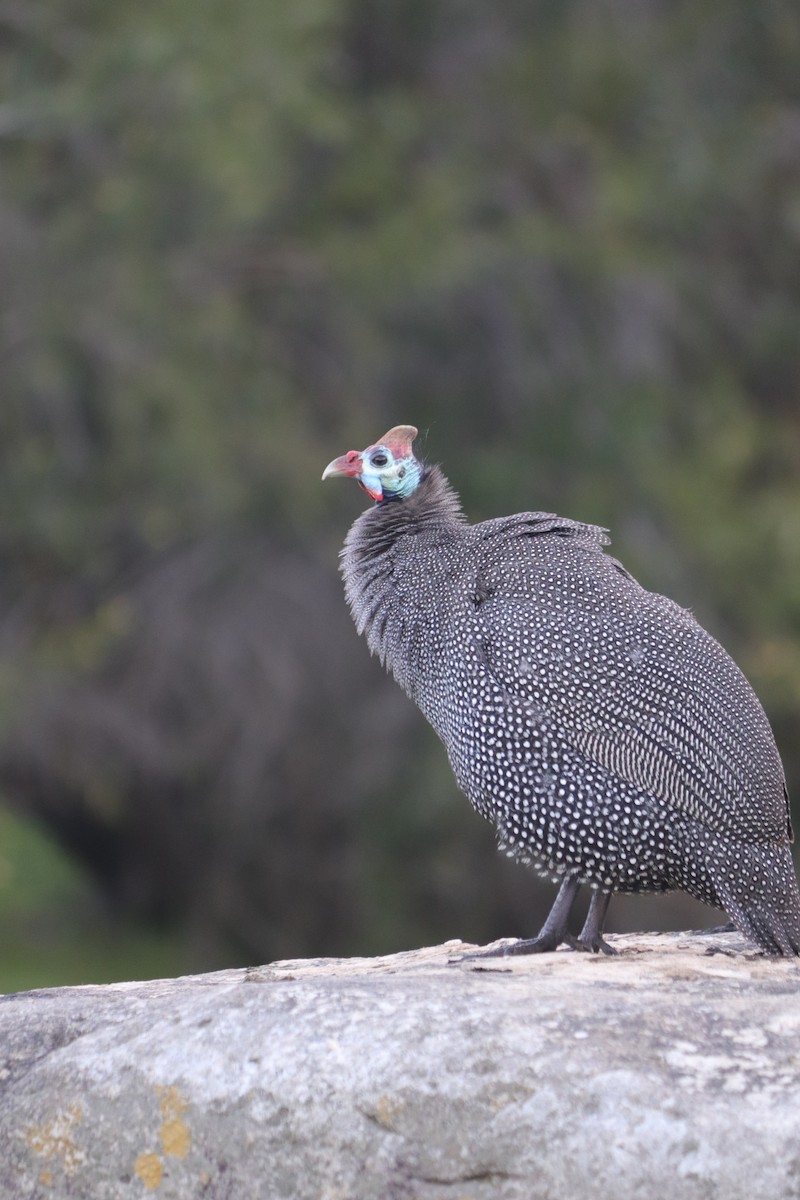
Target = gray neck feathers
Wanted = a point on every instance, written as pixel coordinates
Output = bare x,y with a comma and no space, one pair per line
388,564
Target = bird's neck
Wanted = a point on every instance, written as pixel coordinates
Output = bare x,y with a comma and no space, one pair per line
391,561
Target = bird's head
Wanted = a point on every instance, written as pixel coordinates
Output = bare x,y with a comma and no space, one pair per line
386,470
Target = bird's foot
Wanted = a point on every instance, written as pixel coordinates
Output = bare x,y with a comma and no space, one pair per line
592,945
543,944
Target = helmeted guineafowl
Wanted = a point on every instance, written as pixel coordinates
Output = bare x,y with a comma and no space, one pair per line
610,739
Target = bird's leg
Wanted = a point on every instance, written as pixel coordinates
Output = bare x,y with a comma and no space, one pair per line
591,936
553,932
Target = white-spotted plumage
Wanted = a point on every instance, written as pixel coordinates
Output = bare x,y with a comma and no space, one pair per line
609,738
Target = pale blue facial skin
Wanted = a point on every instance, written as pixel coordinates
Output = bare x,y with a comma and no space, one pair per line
396,478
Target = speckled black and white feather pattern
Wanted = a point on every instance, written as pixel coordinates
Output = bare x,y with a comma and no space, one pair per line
602,730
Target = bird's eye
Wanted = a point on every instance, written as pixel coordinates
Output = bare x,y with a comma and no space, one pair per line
379,459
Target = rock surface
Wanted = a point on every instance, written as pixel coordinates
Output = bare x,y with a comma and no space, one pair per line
667,1070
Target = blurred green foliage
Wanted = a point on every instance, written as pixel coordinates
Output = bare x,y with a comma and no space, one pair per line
52,928
235,239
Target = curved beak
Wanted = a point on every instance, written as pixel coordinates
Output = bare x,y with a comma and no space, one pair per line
346,464
352,466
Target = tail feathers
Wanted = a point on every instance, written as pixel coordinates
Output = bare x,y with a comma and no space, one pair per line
757,887
777,933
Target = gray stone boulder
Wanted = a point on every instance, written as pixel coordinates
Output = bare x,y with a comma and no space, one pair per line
668,1070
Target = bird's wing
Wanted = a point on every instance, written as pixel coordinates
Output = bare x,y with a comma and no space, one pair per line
625,677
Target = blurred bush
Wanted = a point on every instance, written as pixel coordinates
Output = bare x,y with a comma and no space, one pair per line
235,240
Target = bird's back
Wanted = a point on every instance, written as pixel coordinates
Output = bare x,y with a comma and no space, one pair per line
623,676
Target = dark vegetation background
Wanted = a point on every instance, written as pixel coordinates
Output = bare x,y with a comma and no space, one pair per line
239,238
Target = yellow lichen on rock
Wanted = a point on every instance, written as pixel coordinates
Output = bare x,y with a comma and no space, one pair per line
54,1140
176,1138
148,1168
